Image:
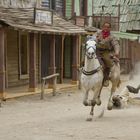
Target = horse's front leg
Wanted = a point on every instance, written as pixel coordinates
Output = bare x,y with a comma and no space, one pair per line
85,99
90,117
96,97
94,101
98,100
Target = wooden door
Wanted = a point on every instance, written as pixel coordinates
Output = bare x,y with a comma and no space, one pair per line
45,55
68,57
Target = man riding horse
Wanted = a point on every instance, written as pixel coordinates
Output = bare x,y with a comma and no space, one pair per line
108,49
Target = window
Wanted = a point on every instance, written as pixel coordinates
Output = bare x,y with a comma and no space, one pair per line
52,4
45,3
83,7
23,55
48,4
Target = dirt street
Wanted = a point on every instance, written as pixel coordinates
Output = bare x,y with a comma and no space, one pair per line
63,117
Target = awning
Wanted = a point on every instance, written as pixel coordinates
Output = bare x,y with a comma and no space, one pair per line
23,19
124,35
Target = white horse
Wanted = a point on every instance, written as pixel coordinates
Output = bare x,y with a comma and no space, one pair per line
92,78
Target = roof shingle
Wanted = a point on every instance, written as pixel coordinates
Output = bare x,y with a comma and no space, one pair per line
22,18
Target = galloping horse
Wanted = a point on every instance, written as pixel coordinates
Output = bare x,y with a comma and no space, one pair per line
92,78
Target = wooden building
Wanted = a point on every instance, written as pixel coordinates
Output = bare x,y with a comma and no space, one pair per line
30,50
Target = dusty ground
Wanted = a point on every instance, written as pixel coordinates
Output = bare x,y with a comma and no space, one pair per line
63,117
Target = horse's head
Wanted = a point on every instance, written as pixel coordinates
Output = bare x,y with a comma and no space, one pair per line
90,49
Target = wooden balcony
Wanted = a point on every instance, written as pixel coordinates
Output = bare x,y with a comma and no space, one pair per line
96,21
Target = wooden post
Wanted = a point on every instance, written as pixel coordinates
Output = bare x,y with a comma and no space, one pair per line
52,67
79,60
119,7
54,86
62,59
32,63
42,89
75,65
2,64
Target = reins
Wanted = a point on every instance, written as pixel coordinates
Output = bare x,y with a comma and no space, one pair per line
91,72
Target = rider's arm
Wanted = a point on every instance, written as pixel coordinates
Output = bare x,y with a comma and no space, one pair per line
116,46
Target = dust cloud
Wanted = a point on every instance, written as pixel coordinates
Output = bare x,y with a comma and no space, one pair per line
134,79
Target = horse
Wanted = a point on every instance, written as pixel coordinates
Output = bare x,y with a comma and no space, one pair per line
92,78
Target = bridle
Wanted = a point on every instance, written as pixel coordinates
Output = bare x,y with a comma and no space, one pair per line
91,56
91,72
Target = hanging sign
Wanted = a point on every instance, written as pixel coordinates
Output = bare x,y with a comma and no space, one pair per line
43,16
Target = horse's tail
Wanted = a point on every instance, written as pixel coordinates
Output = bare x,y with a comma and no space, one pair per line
119,83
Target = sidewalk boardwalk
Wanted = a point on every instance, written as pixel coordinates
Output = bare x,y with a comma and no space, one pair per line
23,91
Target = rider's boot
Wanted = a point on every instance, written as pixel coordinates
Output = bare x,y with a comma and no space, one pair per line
133,90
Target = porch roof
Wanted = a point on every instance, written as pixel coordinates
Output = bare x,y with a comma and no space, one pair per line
125,35
23,19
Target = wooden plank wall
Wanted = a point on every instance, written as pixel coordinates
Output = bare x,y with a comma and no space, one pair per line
129,54
125,57
13,60
18,3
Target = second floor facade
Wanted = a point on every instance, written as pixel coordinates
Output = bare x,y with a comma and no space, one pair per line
88,12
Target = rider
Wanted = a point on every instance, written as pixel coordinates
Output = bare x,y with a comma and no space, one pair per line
107,47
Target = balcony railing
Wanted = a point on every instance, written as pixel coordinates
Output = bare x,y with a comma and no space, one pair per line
96,21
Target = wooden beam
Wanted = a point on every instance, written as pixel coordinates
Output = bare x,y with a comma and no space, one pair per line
62,59
52,67
32,64
75,57
2,63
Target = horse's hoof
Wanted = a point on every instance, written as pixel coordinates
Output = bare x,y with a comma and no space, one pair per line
110,106
98,101
93,102
85,103
89,119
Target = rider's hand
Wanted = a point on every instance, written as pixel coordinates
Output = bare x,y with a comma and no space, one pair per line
116,55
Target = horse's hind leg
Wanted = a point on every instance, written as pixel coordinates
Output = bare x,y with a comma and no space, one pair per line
110,102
